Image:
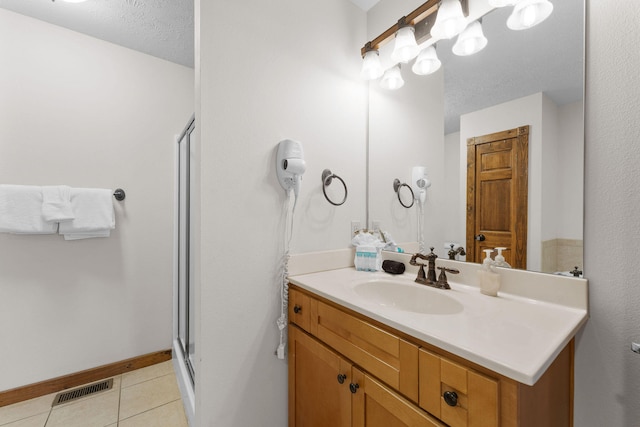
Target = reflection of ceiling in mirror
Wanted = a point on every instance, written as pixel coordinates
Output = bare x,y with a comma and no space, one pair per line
365,4
547,58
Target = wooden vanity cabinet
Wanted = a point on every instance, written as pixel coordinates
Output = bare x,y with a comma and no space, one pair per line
455,394
327,390
348,370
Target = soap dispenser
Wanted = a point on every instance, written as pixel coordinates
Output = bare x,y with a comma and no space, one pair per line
500,262
488,278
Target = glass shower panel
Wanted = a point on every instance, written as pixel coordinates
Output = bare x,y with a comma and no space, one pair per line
185,286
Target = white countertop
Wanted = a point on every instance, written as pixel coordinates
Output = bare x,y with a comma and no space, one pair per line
514,336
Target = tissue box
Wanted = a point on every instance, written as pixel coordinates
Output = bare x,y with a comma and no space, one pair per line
366,258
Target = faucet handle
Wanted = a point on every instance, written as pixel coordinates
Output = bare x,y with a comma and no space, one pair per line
442,278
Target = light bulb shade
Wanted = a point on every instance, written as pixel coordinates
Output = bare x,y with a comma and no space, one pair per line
392,79
502,3
470,41
450,20
529,13
427,62
405,47
371,66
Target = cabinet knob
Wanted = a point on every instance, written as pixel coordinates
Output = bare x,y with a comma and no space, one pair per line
353,387
341,378
297,309
451,397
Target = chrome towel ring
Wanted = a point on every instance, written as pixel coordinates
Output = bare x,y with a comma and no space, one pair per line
397,185
327,178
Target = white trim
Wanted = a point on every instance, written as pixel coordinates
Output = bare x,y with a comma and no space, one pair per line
186,387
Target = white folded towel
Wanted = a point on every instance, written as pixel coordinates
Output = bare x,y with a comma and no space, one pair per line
94,215
21,210
56,203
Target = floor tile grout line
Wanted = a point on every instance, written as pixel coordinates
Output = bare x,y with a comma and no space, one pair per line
31,415
148,410
147,380
119,402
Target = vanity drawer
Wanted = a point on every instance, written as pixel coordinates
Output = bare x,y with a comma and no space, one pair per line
302,310
382,354
456,394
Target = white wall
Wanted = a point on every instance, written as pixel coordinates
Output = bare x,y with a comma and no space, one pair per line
607,372
406,129
78,111
267,71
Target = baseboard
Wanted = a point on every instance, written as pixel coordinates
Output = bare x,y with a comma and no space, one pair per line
54,385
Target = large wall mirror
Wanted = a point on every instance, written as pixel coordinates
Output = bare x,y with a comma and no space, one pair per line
532,78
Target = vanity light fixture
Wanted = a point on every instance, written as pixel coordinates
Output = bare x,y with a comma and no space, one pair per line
450,20
529,13
371,66
405,47
427,62
471,40
392,78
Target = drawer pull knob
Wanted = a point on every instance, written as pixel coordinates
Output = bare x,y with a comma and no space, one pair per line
297,309
341,378
354,387
451,397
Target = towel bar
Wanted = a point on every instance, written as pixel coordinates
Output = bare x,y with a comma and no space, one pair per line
119,194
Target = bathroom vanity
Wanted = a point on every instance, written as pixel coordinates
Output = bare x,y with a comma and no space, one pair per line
370,349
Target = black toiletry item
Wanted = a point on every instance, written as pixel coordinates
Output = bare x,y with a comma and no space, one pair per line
392,267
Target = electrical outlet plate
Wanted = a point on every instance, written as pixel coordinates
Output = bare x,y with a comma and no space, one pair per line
635,347
355,227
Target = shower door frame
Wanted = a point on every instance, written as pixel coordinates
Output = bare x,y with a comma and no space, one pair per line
184,292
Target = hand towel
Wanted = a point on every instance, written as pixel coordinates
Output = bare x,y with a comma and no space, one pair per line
94,215
21,210
56,203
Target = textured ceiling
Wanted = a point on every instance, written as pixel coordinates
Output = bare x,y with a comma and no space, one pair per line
547,58
162,28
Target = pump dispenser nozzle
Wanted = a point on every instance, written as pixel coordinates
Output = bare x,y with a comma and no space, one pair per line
500,262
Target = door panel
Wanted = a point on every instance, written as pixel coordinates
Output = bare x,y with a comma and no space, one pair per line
497,195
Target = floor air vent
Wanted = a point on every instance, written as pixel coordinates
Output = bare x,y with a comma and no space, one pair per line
81,392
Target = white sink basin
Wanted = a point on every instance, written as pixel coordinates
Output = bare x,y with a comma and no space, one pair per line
406,297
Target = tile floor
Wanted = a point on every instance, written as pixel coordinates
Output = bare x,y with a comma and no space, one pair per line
142,398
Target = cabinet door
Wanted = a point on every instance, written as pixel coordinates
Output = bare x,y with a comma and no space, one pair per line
457,395
375,405
318,397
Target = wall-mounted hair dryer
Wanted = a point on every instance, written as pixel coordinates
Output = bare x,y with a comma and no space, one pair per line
290,165
419,183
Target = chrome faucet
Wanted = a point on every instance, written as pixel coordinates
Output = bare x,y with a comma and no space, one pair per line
430,277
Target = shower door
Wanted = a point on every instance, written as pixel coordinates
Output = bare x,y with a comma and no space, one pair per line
185,293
